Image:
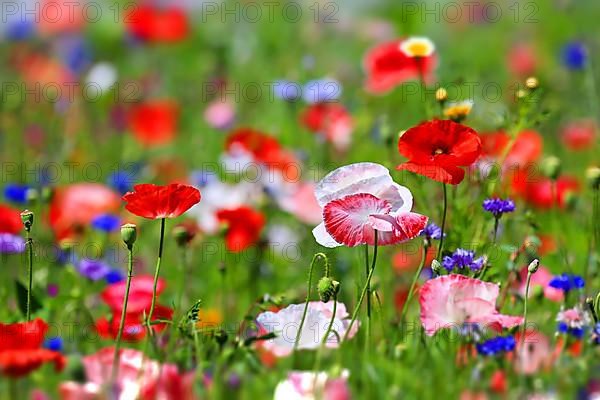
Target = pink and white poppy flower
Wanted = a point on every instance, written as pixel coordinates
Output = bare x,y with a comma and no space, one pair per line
450,301
285,323
358,199
301,385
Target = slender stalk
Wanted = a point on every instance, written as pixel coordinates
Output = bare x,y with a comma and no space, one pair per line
414,283
496,223
183,286
364,291
29,243
369,295
115,366
524,330
327,333
439,253
310,274
156,274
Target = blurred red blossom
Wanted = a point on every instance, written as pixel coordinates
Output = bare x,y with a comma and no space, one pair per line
330,120
244,226
579,135
10,220
154,122
158,25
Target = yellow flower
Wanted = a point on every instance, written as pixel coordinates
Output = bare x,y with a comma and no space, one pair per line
417,47
209,319
459,110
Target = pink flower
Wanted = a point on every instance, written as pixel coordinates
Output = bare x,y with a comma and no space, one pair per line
359,198
285,323
453,300
310,385
300,201
540,279
533,353
220,114
138,377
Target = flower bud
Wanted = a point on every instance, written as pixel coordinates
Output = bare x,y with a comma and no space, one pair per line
32,196
551,167
436,267
182,235
592,175
27,219
532,83
441,95
533,266
327,288
129,234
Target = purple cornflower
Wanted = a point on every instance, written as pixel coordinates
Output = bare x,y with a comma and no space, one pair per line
106,223
498,206
11,244
461,259
94,270
432,231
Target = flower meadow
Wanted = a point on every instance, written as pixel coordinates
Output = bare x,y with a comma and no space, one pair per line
299,200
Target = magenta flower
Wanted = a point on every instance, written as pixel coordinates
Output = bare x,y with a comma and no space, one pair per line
451,301
358,199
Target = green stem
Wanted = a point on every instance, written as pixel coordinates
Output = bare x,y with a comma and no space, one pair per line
115,367
414,283
369,295
30,256
439,253
524,330
327,333
156,274
183,286
310,274
496,223
364,291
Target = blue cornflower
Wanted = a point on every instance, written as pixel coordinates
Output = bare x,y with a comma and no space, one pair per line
106,222
18,29
496,346
596,333
54,343
462,258
94,270
287,90
432,231
122,181
202,178
11,244
567,282
498,206
321,90
114,276
574,55
16,193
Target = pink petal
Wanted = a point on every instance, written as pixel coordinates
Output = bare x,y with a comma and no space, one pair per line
409,225
347,219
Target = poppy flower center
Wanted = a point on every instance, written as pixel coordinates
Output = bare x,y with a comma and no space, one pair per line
439,151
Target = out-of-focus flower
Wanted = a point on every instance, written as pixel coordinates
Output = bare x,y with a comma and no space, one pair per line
321,91
498,206
54,343
462,259
450,301
134,328
458,111
567,282
287,90
437,149
574,55
74,52
16,193
249,145
243,227
387,65
75,206
579,135
330,120
21,350
522,59
158,25
10,220
539,191
525,149
573,321
358,199
11,244
94,270
122,180
310,385
285,323
156,202
107,223
540,279
300,201
114,276
496,346
60,16
154,123
533,353
139,377
220,114
140,294
102,75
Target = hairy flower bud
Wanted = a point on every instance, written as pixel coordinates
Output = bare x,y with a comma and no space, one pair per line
129,234
27,219
327,288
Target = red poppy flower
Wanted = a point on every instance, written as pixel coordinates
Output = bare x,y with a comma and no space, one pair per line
155,202
498,382
522,60
244,226
21,348
61,16
525,150
330,120
154,123
158,25
579,135
436,149
134,329
75,206
261,147
540,193
10,220
140,294
387,66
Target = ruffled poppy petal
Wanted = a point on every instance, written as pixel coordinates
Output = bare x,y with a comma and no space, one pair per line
154,201
444,174
323,237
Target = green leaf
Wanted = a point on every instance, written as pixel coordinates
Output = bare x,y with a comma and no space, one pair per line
22,299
